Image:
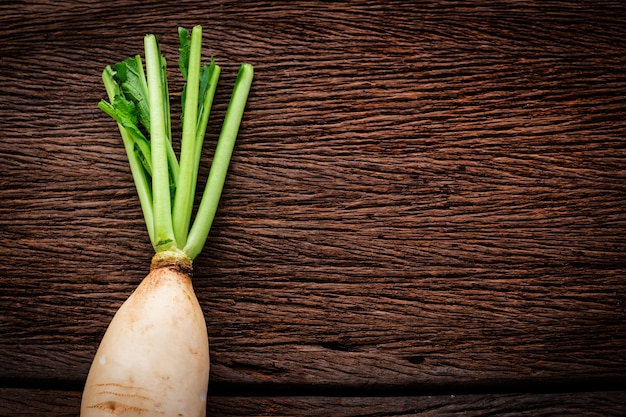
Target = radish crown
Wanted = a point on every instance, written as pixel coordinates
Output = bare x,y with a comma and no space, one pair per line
166,185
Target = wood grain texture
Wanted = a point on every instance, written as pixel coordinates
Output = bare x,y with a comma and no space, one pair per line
58,403
423,195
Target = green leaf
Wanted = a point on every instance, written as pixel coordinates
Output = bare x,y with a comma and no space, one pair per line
205,76
184,51
142,184
183,99
144,156
141,103
131,79
124,112
120,71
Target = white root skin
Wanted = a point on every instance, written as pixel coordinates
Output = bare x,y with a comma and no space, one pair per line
154,357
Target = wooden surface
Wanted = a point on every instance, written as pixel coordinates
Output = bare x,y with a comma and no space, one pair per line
424,213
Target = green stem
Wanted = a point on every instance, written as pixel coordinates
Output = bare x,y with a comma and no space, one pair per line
223,152
166,189
203,120
136,167
171,155
141,75
159,125
185,187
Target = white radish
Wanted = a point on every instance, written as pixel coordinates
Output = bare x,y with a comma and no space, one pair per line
153,359
154,356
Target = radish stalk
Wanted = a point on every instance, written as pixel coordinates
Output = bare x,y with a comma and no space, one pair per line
153,359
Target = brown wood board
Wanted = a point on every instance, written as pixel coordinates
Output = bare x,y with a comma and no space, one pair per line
424,197
58,403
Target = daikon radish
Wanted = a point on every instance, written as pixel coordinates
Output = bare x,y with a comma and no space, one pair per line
153,359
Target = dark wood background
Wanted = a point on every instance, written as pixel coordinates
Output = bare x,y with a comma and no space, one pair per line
425,213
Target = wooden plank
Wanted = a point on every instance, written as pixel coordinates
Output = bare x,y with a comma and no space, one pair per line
598,404
56,403
36,402
420,196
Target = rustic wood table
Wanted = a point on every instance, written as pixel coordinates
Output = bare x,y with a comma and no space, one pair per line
425,213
